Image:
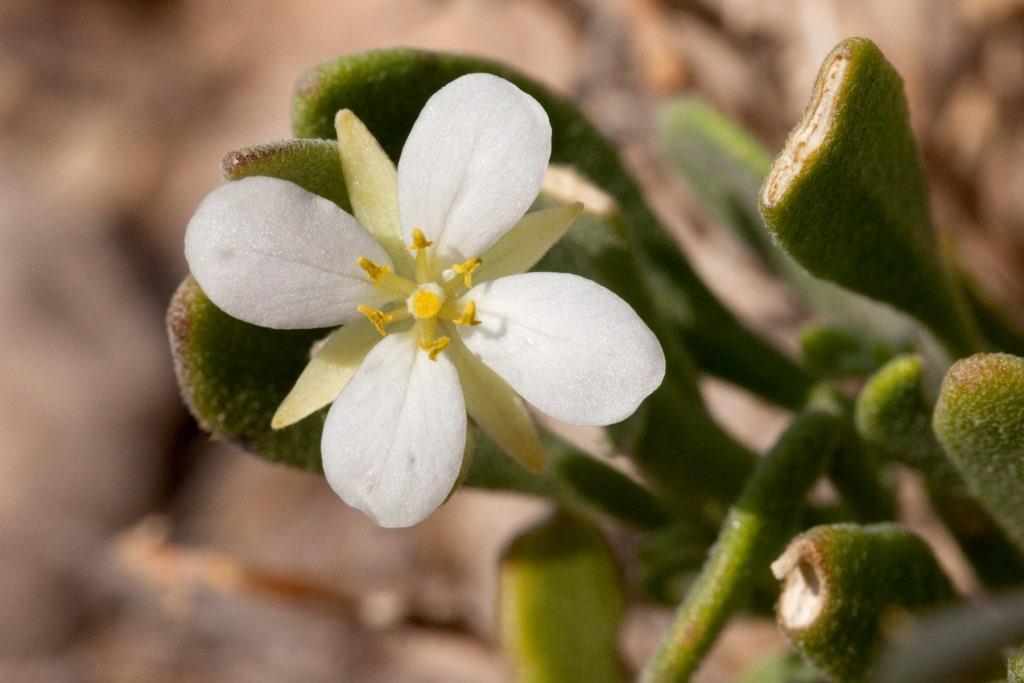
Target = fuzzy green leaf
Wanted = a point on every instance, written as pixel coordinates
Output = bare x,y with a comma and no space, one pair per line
893,416
312,164
561,605
234,375
841,580
847,199
979,420
387,89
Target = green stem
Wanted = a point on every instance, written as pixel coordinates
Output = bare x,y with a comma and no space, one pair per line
754,531
611,492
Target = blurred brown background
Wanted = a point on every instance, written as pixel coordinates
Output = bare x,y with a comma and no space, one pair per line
134,549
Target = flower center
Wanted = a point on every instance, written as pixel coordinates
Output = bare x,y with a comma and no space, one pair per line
426,301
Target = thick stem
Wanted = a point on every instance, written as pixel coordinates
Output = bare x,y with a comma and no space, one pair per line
754,530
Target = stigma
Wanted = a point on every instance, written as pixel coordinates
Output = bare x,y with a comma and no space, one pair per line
426,301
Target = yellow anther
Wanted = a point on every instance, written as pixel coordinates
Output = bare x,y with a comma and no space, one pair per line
375,271
468,315
465,269
425,302
419,240
377,317
435,347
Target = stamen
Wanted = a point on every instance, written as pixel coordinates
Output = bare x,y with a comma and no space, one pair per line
375,271
468,315
419,240
377,317
435,347
465,269
383,277
420,244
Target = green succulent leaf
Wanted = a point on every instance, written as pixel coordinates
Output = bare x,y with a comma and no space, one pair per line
233,376
387,89
893,416
847,198
979,420
561,604
312,164
841,580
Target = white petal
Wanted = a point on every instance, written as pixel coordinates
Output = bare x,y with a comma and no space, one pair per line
327,373
395,437
372,183
270,253
525,244
496,408
569,346
472,165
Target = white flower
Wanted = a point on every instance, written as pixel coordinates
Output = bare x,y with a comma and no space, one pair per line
435,261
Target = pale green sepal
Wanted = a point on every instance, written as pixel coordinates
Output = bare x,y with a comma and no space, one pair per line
526,242
496,408
561,605
372,183
327,373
